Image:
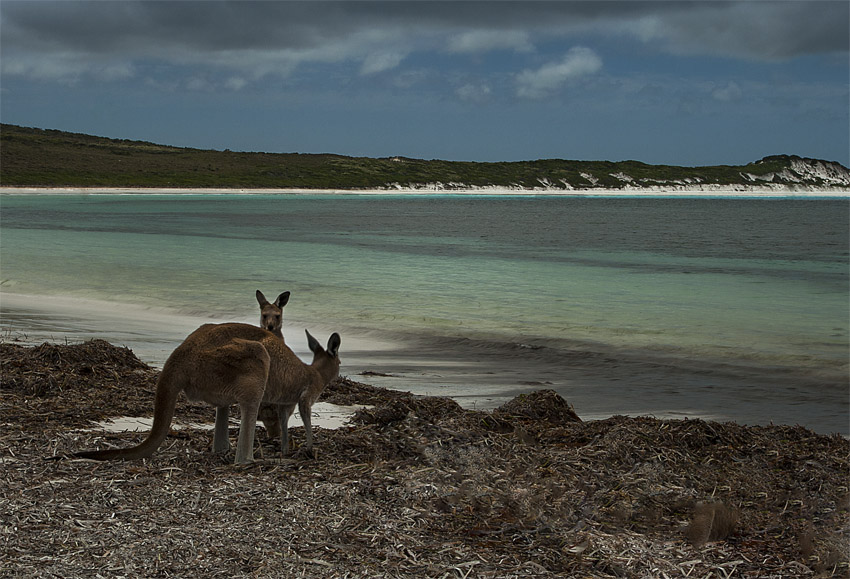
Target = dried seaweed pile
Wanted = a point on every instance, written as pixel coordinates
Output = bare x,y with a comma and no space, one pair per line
77,384
415,487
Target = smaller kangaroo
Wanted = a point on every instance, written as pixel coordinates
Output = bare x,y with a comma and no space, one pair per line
271,314
224,364
271,319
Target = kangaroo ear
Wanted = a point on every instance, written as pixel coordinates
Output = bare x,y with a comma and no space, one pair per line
314,344
282,300
261,299
333,344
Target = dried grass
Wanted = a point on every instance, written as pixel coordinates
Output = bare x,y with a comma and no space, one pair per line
415,487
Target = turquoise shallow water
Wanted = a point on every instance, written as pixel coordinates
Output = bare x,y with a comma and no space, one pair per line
723,308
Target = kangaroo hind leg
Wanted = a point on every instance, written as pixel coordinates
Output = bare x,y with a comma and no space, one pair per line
305,409
247,427
247,385
221,442
250,387
284,411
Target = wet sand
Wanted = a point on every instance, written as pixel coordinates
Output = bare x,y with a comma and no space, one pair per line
598,381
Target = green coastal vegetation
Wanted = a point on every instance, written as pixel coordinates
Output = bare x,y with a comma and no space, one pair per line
31,157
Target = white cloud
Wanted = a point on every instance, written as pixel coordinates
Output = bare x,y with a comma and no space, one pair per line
409,78
115,71
251,64
68,68
381,61
728,93
578,62
478,41
198,83
475,93
235,83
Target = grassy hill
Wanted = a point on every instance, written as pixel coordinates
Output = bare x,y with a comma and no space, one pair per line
48,158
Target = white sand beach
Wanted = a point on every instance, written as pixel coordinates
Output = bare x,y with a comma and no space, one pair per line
441,189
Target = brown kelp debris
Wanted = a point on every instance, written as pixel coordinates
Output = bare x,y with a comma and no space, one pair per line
712,521
75,384
414,487
539,405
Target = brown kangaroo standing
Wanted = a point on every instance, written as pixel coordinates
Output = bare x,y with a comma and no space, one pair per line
224,364
271,319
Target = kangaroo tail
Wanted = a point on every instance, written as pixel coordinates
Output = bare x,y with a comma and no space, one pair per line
167,390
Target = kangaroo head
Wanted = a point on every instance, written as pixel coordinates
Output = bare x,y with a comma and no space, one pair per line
271,314
326,361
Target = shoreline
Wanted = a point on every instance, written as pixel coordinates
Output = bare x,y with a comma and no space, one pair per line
725,191
476,375
152,332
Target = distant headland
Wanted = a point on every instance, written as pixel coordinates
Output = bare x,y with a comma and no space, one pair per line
38,158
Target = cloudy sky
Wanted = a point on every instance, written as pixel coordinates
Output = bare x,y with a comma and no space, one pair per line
678,82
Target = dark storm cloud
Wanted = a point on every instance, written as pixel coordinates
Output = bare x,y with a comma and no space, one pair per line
46,38
758,30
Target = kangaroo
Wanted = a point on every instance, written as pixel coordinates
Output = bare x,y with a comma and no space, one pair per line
232,363
271,314
271,319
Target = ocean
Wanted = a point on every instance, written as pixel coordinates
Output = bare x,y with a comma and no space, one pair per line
714,308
